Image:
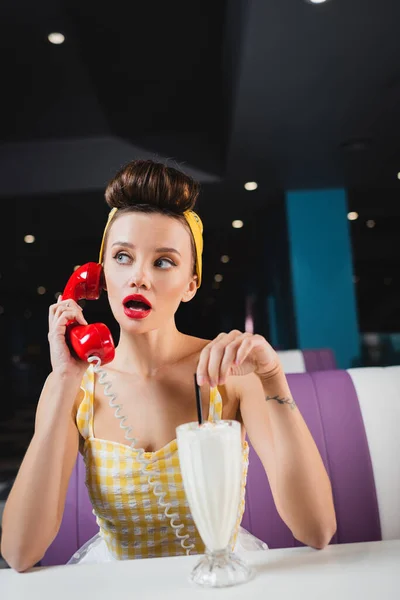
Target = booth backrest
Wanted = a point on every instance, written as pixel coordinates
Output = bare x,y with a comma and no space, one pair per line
354,418
307,361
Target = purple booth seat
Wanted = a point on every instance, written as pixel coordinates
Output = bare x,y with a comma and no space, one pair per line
78,523
307,361
319,360
330,407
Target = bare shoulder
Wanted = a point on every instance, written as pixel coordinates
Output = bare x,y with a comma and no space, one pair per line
194,344
190,349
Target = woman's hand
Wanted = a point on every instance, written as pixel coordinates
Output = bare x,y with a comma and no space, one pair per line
59,315
236,353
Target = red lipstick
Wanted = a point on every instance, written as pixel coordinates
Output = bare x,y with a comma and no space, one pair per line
136,306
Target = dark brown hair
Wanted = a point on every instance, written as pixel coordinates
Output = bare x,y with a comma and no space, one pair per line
152,187
146,182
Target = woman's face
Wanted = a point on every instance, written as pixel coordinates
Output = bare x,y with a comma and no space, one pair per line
148,255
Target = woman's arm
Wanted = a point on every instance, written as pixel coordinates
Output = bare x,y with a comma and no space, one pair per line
33,512
299,483
298,480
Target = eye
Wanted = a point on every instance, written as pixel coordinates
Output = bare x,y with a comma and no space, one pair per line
164,263
120,256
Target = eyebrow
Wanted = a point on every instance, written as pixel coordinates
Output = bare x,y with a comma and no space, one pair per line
132,246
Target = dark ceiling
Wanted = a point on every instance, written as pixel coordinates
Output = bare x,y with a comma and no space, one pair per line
287,93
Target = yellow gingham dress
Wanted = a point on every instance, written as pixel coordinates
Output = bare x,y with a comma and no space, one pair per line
130,520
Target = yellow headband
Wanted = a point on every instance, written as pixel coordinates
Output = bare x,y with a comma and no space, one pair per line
196,227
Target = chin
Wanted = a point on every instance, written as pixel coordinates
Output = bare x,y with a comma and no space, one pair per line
137,325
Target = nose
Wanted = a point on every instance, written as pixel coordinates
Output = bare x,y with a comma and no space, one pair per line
139,278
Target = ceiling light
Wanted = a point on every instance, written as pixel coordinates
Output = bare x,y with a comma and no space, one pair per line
238,224
225,259
352,216
316,1
370,223
41,290
250,186
398,175
29,239
56,38
218,278
76,267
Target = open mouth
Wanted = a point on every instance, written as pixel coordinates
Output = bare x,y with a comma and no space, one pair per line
136,307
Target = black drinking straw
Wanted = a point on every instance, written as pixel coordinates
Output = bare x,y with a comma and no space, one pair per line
198,401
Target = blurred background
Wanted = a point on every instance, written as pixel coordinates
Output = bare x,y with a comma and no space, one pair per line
286,112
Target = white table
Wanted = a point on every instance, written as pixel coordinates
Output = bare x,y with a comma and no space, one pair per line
366,571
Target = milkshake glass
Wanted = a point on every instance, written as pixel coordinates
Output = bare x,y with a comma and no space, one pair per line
210,457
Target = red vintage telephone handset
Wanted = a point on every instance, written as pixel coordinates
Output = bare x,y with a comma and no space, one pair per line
88,340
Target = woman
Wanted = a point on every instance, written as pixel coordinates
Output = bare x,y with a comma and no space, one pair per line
151,253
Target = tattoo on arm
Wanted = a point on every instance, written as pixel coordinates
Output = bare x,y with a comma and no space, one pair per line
289,401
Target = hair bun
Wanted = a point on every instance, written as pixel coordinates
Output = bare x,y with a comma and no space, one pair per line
146,182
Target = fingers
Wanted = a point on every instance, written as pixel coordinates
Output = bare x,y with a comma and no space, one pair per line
234,351
202,368
244,349
62,305
217,358
60,323
64,311
69,305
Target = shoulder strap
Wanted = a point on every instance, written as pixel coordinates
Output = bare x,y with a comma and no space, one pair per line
84,415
